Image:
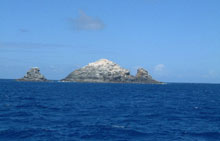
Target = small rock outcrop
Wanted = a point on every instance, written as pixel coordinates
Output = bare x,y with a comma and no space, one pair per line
33,75
142,76
109,72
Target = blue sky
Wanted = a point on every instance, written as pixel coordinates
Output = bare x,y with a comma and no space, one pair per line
175,40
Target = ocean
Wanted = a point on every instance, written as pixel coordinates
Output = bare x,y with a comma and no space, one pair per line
41,111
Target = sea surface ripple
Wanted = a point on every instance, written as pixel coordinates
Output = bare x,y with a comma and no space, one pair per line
34,111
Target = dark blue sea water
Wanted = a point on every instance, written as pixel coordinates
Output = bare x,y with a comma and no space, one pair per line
88,111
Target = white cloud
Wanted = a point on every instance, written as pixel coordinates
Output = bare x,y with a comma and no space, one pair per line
85,22
211,74
159,67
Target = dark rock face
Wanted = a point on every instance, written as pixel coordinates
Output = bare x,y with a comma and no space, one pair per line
107,71
142,76
33,75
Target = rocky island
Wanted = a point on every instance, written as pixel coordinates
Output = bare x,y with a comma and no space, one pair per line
105,71
33,75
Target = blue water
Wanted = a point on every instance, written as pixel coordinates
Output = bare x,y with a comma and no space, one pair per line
89,111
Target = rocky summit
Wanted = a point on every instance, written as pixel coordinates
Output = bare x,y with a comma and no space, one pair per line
109,72
33,75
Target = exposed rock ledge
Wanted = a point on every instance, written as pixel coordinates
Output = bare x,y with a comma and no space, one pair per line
108,72
33,75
